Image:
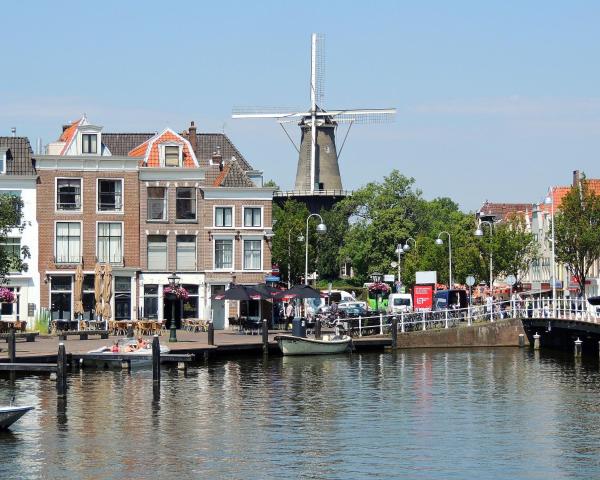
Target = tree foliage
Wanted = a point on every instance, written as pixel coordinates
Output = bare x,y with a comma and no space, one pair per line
290,224
577,231
11,218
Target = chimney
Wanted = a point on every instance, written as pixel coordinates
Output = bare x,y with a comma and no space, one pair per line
576,178
217,158
192,136
65,127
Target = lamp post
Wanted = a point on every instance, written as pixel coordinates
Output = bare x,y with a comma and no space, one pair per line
479,233
400,251
321,229
406,246
300,239
173,283
550,201
439,241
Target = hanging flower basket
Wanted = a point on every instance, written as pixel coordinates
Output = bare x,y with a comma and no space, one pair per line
6,295
176,292
379,288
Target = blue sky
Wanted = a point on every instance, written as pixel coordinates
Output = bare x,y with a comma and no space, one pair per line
496,100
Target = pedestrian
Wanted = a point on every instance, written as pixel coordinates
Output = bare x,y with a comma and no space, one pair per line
489,305
289,314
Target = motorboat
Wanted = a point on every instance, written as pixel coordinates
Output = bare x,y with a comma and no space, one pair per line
127,350
327,344
9,415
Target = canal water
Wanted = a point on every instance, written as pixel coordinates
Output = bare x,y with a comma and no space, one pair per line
421,414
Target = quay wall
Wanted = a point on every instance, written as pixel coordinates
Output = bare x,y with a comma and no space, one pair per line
501,333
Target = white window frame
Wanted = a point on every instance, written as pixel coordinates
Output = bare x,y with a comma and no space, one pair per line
122,240
61,212
97,145
80,222
214,222
262,216
165,204
110,212
214,252
161,153
162,234
177,268
253,238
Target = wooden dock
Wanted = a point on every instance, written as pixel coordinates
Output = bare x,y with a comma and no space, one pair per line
28,367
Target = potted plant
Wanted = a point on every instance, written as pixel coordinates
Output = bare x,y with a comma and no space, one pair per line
377,289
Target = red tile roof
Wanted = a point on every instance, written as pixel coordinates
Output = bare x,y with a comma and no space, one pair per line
503,210
149,150
68,134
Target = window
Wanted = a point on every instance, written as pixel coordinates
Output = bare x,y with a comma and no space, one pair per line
252,217
89,143
110,243
12,309
171,156
223,254
122,298
190,306
60,297
3,162
68,194
110,195
157,203
186,203
252,254
150,301
11,246
223,216
88,298
68,242
186,252
157,252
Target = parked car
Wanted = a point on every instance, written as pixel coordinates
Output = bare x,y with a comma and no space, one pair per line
352,309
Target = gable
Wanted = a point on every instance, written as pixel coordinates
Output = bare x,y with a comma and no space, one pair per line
152,150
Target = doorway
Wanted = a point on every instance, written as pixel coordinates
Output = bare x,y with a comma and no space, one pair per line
218,307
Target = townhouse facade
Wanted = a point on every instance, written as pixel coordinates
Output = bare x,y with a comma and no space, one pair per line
18,178
151,205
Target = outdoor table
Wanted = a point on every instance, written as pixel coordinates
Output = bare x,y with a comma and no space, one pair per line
5,325
61,325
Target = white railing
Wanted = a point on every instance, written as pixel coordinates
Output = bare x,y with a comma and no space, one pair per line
380,324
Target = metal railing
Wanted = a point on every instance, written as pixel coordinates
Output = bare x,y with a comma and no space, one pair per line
380,324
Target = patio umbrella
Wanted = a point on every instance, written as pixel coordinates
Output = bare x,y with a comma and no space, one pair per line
107,292
77,293
268,292
98,290
299,291
238,292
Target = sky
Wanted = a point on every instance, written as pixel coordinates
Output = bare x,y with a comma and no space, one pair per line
496,100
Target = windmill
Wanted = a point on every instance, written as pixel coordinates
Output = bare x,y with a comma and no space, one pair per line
318,170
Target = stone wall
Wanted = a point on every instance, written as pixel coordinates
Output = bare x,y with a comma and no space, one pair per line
502,333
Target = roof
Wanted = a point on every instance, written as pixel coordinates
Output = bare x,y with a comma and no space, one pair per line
122,143
233,176
18,155
149,149
209,143
502,210
68,134
558,193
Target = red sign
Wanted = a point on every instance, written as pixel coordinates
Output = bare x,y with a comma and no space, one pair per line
422,297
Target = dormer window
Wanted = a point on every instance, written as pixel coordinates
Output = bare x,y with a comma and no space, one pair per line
171,155
89,143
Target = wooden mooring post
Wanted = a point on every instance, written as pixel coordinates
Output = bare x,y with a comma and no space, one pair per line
61,370
521,340
318,329
536,341
265,336
211,334
394,332
578,343
156,366
12,346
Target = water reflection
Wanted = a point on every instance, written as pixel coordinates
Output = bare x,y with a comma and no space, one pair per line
417,414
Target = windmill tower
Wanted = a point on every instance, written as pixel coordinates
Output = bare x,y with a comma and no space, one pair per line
318,171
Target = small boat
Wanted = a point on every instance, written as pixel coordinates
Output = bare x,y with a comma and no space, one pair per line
327,344
128,350
9,415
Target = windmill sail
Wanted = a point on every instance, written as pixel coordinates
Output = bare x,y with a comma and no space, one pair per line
318,168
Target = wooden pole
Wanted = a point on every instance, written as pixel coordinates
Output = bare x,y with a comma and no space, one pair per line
211,334
394,332
155,359
12,346
265,337
318,329
61,370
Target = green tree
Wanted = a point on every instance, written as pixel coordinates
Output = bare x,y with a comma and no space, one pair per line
11,218
329,245
577,231
271,183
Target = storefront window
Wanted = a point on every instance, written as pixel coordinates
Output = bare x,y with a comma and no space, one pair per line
190,306
150,301
60,297
122,298
88,298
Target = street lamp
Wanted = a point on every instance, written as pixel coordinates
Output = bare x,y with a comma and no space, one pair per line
174,284
400,251
321,229
300,239
439,241
406,246
550,201
479,233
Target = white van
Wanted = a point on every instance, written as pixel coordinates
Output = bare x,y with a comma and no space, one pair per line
337,296
400,302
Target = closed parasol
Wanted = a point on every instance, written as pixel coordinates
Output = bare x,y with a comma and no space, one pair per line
98,290
77,291
107,292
